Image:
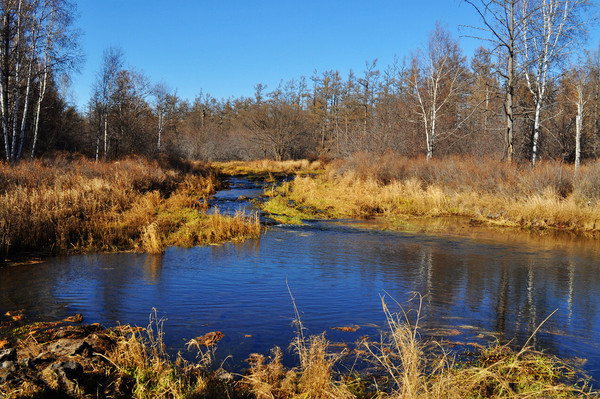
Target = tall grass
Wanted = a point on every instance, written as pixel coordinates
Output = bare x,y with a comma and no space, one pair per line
496,372
549,196
77,205
266,166
140,357
313,378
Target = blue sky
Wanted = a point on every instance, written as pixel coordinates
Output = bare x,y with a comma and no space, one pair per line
226,47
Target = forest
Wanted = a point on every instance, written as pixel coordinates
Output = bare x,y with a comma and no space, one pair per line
530,92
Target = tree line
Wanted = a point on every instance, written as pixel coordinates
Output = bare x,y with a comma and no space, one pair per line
529,92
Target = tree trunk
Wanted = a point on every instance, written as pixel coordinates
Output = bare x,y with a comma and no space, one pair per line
105,136
578,129
536,133
36,126
510,87
16,94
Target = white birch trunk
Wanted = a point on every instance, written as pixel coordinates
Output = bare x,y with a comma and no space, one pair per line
36,124
17,49
580,102
578,130
161,123
536,132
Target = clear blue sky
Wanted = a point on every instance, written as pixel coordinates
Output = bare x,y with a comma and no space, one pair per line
226,47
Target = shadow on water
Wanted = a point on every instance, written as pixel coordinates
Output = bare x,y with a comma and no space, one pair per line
474,288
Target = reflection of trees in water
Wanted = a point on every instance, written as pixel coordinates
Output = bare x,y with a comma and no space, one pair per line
249,248
153,267
502,300
571,288
30,287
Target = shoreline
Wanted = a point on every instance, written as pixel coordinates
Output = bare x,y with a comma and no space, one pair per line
79,360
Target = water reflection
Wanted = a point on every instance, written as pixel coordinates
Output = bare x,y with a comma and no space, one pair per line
337,275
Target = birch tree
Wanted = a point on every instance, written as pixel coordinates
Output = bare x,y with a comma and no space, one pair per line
161,106
104,93
59,53
435,81
36,42
502,24
550,33
575,85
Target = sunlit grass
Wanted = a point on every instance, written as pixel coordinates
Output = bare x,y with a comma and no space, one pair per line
77,205
265,167
549,197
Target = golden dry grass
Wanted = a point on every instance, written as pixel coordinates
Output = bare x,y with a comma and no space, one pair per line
496,372
266,166
77,205
140,356
550,196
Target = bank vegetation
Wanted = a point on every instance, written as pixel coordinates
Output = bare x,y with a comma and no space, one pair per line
552,196
71,204
131,362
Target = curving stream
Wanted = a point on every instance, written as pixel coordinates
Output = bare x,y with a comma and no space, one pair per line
473,288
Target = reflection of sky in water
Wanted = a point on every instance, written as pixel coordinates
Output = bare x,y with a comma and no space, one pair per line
337,275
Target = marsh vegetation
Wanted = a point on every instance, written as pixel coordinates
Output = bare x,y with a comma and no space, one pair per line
73,205
550,197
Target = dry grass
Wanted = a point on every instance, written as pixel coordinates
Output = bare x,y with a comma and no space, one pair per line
551,196
406,367
267,166
314,378
76,205
140,356
415,370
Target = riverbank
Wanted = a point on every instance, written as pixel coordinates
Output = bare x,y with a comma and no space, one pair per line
75,205
549,197
65,359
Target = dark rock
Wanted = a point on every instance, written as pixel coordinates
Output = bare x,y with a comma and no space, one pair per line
70,369
100,343
8,355
69,347
67,372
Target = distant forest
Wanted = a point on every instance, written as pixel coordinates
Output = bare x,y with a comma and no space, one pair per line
530,92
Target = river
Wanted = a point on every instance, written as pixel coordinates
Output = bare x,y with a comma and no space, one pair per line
474,288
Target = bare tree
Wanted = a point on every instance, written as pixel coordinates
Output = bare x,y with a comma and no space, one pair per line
37,42
435,81
277,126
161,97
575,84
550,33
60,51
502,25
104,93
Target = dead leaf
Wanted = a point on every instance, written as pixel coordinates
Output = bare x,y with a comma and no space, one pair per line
78,318
346,329
209,339
17,317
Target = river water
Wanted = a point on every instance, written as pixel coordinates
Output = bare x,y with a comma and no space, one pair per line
472,287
